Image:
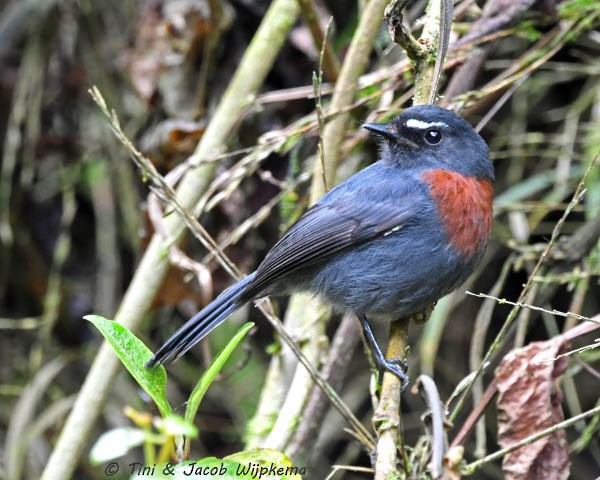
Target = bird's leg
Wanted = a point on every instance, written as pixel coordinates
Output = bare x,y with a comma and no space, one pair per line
396,366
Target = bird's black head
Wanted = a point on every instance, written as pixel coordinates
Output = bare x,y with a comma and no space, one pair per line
427,136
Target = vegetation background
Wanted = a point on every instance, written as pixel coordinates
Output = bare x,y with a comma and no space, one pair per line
76,219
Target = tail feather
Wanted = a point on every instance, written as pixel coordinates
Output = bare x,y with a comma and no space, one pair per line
201,324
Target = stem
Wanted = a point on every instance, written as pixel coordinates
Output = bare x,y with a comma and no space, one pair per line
428,53
425,66
331,65
386,419
248,78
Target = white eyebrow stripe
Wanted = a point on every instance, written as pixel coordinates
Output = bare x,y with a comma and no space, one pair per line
421,125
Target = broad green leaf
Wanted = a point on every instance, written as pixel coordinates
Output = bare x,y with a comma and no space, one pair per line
134,355
116,443
211,372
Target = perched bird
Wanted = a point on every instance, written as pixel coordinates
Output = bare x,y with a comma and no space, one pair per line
386,243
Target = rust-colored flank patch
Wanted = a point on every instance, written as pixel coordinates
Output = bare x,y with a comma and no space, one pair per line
465,207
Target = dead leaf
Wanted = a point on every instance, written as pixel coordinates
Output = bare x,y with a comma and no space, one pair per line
170,141
529,400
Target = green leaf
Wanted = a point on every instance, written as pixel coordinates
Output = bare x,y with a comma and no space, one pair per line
116,443
134,355
209,375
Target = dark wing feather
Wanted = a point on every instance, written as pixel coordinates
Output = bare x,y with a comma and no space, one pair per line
325,230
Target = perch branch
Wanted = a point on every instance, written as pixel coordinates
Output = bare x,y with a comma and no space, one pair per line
386,419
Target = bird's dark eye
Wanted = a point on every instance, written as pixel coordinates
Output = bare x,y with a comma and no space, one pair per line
433,136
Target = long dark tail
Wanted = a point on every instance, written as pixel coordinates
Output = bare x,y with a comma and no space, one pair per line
201,324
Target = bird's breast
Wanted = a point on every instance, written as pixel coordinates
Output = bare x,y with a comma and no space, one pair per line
464,207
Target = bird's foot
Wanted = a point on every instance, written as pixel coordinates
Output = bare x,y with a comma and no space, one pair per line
403,364
397,367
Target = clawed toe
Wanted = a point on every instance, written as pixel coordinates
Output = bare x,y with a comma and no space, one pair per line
397,367
401,363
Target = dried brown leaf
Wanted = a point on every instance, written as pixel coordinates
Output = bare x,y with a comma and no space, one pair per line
171,140
529,401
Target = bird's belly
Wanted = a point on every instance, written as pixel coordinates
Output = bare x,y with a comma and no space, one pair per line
383,280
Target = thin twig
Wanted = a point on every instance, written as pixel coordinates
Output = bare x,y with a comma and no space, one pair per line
503,301
361,432
317,83
163,189
475,414
328,61
482,323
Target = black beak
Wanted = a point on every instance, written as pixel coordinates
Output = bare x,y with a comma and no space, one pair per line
384,130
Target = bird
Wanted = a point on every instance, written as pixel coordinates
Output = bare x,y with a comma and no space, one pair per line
386,243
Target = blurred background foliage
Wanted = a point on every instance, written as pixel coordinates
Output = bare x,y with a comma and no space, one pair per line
74,221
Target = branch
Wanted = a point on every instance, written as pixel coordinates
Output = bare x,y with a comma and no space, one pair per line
428,53
386,419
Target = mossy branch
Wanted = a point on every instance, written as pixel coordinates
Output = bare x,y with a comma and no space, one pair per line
427,54
386,419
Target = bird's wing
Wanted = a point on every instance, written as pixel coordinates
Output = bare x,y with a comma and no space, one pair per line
327,229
